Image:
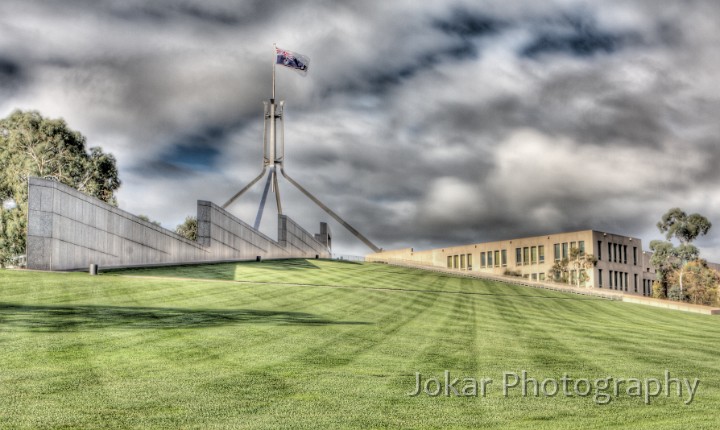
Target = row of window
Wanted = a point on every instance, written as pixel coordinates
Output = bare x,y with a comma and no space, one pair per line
535,276
647,287
562,250
493,259
617,253
530,255
618,280
459,261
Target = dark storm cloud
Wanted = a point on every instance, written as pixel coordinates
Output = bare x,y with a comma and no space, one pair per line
11,75
577,36
424,124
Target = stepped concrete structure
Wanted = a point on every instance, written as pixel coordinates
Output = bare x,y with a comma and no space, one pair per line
68,230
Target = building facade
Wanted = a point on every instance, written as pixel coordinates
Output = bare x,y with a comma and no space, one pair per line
621,263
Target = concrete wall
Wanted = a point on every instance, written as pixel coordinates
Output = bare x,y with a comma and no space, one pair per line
295,239
68,230
228,237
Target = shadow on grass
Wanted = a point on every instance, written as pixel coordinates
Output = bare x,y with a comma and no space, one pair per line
89,317
293,264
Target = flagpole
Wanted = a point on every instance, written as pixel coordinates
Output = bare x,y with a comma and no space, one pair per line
273,72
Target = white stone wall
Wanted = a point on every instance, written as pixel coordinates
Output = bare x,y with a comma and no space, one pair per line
68,230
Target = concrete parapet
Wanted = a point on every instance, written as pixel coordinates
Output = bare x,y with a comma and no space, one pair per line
68,230
670,304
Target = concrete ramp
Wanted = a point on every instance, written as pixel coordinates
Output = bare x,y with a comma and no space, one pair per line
68,230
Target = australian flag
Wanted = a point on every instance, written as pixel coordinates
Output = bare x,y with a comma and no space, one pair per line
292,60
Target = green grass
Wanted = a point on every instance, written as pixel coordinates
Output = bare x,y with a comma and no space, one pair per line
319,344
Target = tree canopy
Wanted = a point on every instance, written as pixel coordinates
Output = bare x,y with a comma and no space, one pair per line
673,262
31,145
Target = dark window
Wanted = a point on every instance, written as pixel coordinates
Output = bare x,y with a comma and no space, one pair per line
599,250
581,247
600,278
469,261
625,254
504,257
634,255
497,258
483,263
565,250
518,256
490,260
556,249
449,261
533,255
526,255
541,254
635,283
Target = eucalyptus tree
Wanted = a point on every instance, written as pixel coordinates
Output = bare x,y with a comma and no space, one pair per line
31,145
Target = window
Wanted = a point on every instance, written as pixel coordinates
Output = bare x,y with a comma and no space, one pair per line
615,252
497,258
625,254
534,277
518,256
634,255
581,247
449,261
504,257
599,250
490,261
526,256
541,277
565,250
556,249
626,282
573,277
616,280
610,279
455,262
533,255
541,254
482,260
572,245
600,278
462,261
635,282
469,261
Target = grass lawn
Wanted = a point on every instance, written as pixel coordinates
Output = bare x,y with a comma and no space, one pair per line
320,344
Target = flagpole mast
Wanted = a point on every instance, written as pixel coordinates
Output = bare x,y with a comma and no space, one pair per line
273,137
273,72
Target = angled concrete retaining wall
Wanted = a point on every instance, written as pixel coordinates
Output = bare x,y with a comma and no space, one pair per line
68,230
231,238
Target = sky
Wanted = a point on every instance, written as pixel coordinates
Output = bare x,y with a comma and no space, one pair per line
422,123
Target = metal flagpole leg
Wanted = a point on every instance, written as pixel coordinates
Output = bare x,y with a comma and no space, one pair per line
258,218
277,191
247,187
350,228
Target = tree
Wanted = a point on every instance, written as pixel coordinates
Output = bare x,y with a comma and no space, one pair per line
701,283
31,145
579,262
188,229
675,223
668,258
